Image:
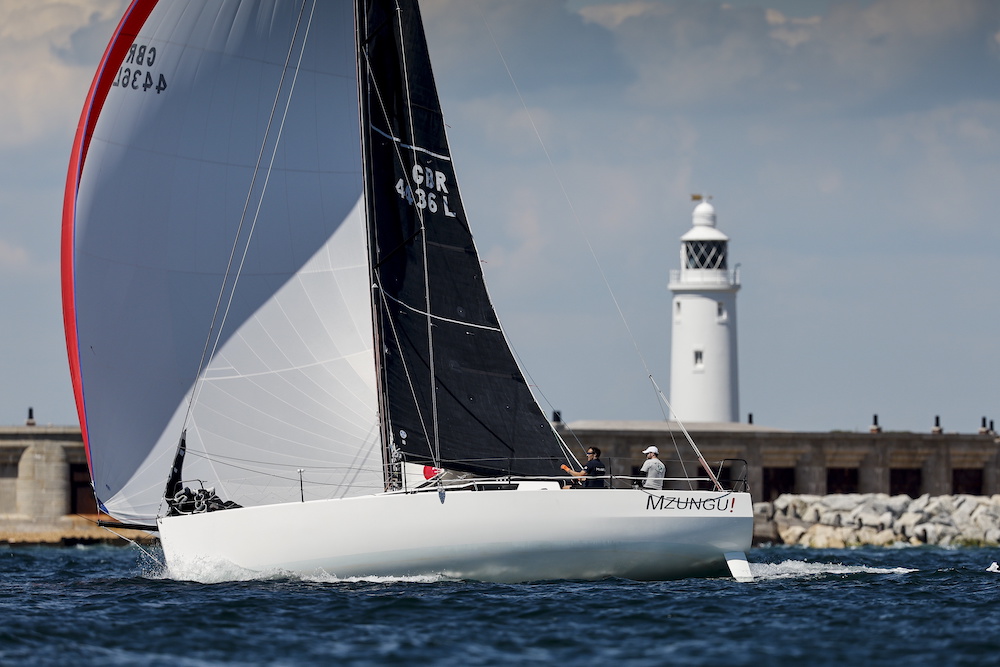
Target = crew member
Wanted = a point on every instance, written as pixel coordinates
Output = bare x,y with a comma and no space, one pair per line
654,469
594,471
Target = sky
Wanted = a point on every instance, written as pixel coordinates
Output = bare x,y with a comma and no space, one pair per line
852,149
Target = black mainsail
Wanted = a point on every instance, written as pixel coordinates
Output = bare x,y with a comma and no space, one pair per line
452,394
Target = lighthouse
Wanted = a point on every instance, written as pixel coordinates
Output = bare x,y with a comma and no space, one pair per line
703,362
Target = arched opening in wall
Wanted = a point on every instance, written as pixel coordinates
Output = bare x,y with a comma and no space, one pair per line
81,493
905,481
967,480
841,480
776,481
8,482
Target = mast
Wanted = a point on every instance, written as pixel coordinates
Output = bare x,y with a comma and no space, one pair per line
392,472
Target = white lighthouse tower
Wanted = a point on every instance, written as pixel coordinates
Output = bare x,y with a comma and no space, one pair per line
703,364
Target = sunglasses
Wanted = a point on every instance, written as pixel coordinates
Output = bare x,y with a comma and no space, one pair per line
591,454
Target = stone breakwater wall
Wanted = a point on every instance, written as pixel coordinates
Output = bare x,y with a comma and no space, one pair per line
845,520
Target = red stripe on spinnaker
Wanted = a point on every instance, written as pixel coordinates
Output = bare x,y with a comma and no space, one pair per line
128,28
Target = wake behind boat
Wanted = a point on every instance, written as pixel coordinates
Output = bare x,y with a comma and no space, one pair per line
283,352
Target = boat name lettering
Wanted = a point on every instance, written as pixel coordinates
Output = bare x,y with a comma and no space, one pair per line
429,190
135,73
675,503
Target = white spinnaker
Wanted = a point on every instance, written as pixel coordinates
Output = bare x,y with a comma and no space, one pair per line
172,170
269,406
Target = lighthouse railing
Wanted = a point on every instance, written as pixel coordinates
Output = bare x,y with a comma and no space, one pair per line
706,276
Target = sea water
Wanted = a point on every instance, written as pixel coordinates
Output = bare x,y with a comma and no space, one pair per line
870,606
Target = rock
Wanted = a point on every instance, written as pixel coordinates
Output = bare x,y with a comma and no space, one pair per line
884,538
899,504
904,525
765,511
810,514
820,536
935,533
797,505
856,519
781,504
791,534
830,518
843,502
920,503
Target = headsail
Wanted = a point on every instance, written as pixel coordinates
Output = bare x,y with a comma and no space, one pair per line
209,119
453,393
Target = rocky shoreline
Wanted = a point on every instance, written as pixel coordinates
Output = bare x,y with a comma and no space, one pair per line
845,520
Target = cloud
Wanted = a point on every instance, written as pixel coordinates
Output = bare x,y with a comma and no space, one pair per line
859,56
13,259
47,51
611,16
546,50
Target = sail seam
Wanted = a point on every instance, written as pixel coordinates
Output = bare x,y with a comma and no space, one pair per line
411,147
439,318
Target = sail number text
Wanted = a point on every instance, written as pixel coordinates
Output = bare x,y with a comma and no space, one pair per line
135,72
427,190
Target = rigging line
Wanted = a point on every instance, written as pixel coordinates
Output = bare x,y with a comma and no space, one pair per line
406,367
593,253
257,472
436,449
149,554
569,202
261,465
420,217
246,205
439,318
690,440
267,173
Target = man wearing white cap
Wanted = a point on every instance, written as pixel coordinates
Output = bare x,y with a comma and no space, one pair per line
654,469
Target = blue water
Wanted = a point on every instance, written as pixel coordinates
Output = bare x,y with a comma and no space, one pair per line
870,606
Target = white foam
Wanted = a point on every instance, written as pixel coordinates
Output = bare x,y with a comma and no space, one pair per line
218,571
791,569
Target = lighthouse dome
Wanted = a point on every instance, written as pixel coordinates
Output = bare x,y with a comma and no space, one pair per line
704,215
703,225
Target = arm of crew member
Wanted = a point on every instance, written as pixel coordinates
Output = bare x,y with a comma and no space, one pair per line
575,473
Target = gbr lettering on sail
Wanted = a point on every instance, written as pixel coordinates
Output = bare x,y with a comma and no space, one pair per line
427,189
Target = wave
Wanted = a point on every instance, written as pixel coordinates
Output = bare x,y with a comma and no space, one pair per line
218,571
792,569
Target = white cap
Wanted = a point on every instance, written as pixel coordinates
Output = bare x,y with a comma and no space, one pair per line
651,450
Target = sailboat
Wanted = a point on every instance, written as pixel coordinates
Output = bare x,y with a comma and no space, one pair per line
283,353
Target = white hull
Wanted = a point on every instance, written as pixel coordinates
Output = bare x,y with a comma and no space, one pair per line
502,536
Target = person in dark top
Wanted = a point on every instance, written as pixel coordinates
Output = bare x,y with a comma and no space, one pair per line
593,470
